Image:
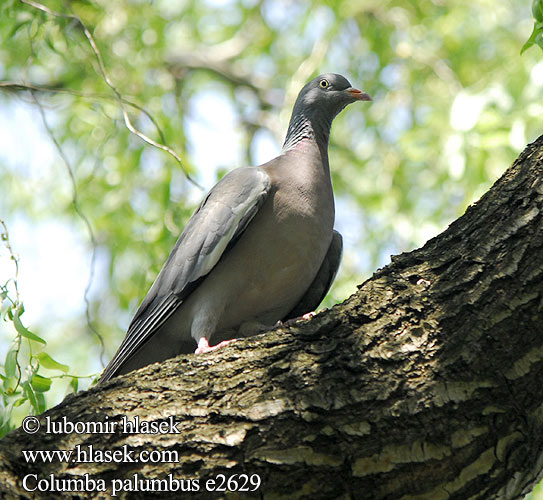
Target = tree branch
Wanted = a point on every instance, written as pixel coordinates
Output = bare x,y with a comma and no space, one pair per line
422,385
105,76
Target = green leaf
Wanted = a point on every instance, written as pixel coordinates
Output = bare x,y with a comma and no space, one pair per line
16,27
10,365
529,42
536,38
31,396
48,362
5,419
10,392
42,403
20,402
41,384
537,10
74,384
22,330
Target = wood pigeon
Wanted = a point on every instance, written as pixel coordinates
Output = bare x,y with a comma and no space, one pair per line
259,249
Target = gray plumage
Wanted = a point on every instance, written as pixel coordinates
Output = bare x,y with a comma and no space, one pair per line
260,248
323,280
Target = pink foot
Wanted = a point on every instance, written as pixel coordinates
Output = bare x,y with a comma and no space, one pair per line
309,315
203,345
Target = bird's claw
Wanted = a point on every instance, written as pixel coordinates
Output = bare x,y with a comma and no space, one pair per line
203,345
309,315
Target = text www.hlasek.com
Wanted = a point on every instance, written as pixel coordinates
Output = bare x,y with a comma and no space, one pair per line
87,454
85,483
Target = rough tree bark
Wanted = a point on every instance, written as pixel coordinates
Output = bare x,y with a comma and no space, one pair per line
423,385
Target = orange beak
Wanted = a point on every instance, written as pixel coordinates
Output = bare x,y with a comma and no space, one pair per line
358,94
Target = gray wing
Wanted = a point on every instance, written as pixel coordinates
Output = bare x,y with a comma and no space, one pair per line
322,282
213,229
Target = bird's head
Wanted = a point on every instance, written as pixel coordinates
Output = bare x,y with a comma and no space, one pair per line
328,94
317,105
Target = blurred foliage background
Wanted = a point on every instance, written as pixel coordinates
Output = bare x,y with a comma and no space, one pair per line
215,80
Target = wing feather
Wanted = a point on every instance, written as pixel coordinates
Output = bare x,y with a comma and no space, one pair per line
211,231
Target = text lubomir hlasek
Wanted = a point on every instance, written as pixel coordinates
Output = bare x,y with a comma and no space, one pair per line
124,425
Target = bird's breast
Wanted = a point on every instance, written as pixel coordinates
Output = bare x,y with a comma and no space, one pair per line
275,260
280,252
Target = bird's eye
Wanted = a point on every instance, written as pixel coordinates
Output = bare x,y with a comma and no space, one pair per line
324,84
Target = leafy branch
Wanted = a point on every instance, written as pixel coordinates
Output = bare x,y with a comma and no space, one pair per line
536,38
103,72
21,384
21,87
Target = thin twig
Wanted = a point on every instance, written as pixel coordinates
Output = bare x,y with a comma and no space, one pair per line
17,86
13,257
76,206
105,76
81,215
15,305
